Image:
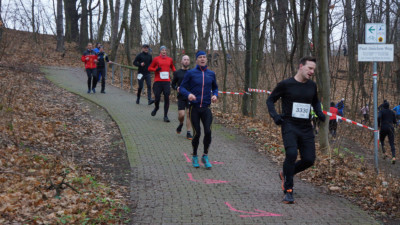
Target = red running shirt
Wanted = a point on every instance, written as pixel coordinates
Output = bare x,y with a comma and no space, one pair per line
165,63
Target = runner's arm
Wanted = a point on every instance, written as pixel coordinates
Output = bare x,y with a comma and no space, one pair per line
153,66
172,66
273,97
316,104
174,81
183,88
136,61
214,86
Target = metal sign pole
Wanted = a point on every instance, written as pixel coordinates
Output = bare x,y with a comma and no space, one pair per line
112,75
121,75
131,81
376,132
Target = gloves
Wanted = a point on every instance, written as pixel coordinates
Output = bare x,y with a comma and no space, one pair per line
278,120
158,69
321,117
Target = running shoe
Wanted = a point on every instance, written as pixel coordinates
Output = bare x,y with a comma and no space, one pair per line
393,160
288,197
166,119
151,101
94,90
189,136
282,177
103,92
88,91
195,161
153,113
179,128
137,100
207,163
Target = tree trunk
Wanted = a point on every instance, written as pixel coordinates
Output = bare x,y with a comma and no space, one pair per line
166,22
125,26
1,24
103,24
280,21
203,38
114,28
90,21
135,26
83,36
237,22
303,32
33,21
60,27
224,52
186,22
323,70
71,20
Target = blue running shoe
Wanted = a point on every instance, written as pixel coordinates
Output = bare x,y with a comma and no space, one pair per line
207,163
195,161
88,91
94,90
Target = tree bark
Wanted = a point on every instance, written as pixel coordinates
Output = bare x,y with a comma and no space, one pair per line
83,36
166,22
224,52
71,21
114,28
1,24
103,24
135,26
60,27
280,21
323,70
237,21
203,38
186,23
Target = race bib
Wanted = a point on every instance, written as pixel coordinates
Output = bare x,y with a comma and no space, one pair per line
139,76
164,75
301,110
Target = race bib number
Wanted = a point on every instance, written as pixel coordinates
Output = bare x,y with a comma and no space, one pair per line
301,110
164,75
139,76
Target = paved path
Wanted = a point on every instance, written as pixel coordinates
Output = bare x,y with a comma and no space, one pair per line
245,189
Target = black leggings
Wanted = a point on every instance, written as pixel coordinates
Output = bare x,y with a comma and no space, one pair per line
101,72
387,131
162,87
301,137
204,115
147,78
92,79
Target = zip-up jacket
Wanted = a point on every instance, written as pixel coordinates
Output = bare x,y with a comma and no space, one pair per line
397,110
165,63
89,64
146,58
386,118
200,82
102,58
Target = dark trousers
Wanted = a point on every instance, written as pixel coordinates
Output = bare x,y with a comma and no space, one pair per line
387,131
147,78
165,88
301,137
92,79
101,74
197,114
333,127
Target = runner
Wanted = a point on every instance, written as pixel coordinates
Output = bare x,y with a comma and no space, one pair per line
183,103
143,61
386,119
197,86
298,94
97,49
397,110
102,58
365,112
89,57
333,120
161,65
340,107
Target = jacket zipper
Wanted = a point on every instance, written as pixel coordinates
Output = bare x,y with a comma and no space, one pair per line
202,91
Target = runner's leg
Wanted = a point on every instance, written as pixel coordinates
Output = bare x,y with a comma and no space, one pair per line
167,92
157,88
195,120
206,119
391,142
306,149
148,83
289,136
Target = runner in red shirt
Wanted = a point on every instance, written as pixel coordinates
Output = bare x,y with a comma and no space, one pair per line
332,119
89,57
161,66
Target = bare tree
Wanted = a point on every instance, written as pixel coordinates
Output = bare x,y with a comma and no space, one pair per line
186,23
166,22
224,52
100,34
135,25
203,37
71,20
1,24
280,28
60,27
83,35
114,28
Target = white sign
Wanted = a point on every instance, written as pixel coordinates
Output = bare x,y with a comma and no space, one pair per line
375,53
375,33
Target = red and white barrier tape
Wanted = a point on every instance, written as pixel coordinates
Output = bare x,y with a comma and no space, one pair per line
325,112
233,93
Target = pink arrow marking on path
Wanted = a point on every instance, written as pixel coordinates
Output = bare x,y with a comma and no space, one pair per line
206,181
189,160
259,213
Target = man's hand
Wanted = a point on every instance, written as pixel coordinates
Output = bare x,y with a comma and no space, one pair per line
321,117
214,99
87,58
278,120
142,64
177,89
191,97
95,61
158,69
110,62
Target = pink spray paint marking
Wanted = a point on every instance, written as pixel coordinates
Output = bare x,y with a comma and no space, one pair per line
257,213
189,160
206,181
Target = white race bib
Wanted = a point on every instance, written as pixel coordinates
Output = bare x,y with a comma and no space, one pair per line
164,75
139,76
301,110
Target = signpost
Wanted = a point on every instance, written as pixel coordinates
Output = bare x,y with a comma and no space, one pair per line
375,50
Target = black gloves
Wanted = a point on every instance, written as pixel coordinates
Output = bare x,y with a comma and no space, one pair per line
321,117
158,69
278,120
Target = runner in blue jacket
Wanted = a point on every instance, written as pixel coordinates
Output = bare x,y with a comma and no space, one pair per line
200,86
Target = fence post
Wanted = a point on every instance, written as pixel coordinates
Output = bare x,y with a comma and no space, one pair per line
131,80
112,76
121,75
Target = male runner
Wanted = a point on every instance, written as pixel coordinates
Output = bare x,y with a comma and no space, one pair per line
183,102
143,61
386,119
200,86
102,58
298,94
161,65
89,57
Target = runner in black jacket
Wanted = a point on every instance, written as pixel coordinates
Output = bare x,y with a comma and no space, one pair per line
143,61
183,102
298,94
386,119
102,58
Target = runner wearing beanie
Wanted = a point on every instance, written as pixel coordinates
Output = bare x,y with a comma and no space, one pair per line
183,102
89,57
386,119
161,65
200,86
143,61
298,94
